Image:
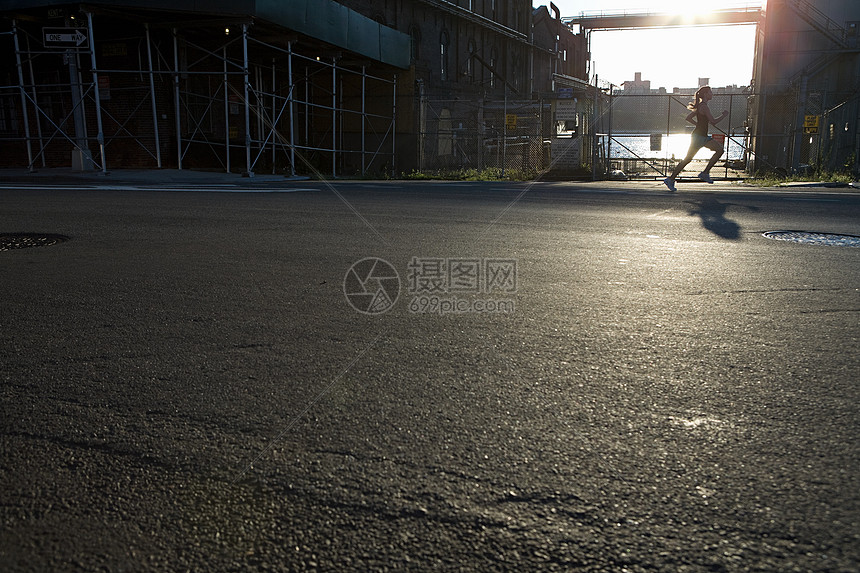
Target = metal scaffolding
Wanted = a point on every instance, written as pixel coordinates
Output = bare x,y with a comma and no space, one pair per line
81,94
238,101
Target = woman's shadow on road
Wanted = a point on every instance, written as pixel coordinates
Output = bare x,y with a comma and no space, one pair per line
713,215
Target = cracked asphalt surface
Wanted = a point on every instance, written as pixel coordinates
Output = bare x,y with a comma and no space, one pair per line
186,387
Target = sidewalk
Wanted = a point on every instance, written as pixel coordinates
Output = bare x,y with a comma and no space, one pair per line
135,177
191,179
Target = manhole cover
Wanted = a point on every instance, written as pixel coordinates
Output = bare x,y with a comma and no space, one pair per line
810,238
26,240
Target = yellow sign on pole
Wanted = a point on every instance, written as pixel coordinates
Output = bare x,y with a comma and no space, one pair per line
810,123
511,121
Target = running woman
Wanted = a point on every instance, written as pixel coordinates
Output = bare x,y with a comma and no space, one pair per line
700,116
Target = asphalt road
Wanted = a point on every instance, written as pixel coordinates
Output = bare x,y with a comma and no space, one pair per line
633,381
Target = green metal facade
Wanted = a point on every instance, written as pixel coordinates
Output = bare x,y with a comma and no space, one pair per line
324,20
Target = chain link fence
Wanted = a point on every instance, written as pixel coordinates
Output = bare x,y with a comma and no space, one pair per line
509,137
647,135
783,131
807,131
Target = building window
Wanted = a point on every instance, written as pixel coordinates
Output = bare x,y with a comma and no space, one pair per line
516,71
470,62
494,58
443,53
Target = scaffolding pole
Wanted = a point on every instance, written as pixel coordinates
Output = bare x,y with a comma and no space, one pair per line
36,103
101,135
274,112
152,95
226,111
292,110
334,117
393,124
23,96
177,98
248,172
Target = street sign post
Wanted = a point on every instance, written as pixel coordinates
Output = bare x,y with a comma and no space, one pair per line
65,38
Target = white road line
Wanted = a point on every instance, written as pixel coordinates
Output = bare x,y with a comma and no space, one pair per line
200,189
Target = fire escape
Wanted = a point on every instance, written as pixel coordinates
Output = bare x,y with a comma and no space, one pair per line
842,44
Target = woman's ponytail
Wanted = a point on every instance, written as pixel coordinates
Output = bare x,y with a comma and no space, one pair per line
694,105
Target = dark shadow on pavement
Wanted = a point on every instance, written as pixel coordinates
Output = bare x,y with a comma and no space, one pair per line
713,215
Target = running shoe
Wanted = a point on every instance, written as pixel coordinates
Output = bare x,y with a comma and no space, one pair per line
670,183
706,177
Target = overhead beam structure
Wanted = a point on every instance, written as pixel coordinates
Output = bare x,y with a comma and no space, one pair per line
628,20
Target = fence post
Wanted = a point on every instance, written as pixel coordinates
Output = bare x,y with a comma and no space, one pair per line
505,132
729,136
666,160
798,124
481,134
594,136
609,134
422,124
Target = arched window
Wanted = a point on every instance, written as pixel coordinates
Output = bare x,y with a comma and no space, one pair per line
470,61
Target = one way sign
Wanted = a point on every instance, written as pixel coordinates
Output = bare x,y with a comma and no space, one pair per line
65,38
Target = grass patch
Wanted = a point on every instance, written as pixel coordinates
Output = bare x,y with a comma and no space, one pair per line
488,174
775,180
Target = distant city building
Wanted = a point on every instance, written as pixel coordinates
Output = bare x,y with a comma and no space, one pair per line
637,108
638,86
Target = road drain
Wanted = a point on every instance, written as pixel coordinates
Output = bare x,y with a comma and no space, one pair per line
25,240
810,238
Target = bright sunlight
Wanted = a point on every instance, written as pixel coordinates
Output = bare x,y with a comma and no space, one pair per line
671,57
